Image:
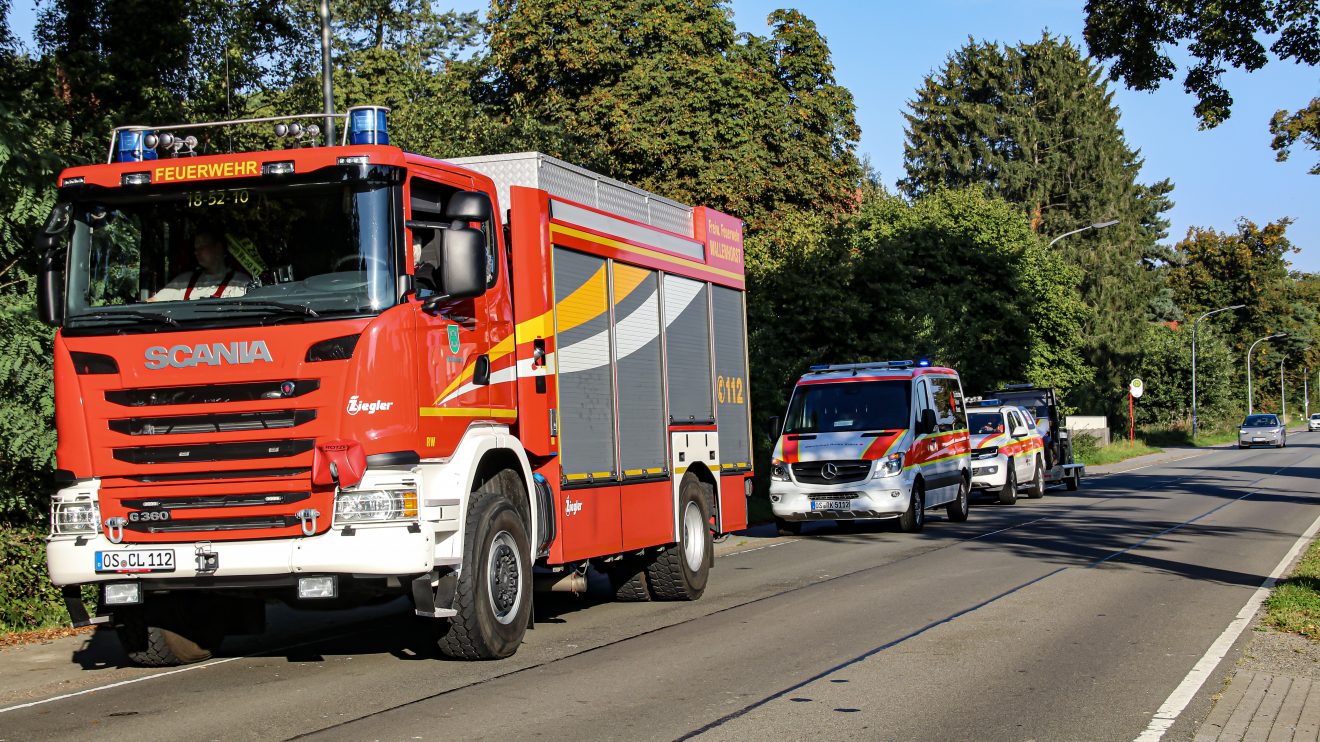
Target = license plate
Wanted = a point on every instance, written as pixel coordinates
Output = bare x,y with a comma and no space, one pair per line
831,504
1258,440
146,560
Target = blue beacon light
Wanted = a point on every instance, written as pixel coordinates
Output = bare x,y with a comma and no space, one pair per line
367,125
131,147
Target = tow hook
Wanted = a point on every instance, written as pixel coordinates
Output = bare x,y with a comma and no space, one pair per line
207,561
114,529
308,517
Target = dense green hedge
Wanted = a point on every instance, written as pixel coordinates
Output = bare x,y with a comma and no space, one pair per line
28,600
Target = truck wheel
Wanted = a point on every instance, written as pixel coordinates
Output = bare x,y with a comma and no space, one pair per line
494,595
628,579
914,518
1037,488
1073,481
170,630
788,527
1008,493
961,505
681,570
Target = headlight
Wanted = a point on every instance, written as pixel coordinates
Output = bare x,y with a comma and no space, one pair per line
778,470
986,453
358,506
891,465
79,516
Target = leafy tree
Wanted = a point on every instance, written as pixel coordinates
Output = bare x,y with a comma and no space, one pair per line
1136,35
665,94
1035,125
1165,367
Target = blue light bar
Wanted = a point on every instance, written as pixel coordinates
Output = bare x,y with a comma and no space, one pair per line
861,366
990,403
924,362
131,148
367,125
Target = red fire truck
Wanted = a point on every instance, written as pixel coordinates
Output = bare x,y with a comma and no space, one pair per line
343,373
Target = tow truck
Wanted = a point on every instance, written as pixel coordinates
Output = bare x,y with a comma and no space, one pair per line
1043,403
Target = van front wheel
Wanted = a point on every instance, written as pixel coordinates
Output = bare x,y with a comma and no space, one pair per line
914,518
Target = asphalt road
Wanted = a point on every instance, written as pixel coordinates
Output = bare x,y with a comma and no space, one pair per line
1067,618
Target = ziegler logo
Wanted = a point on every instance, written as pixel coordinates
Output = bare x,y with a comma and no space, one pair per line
214,354
355,406
571,507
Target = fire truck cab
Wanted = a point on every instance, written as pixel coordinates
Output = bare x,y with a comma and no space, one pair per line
337,373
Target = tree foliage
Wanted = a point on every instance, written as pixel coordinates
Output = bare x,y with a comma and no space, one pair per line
1137,34
1035,125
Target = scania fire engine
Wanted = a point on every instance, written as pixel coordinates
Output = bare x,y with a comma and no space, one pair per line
341,373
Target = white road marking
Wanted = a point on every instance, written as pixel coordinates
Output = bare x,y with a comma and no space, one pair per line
1183,694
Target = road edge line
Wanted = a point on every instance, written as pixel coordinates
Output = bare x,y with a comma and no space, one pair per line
1177,701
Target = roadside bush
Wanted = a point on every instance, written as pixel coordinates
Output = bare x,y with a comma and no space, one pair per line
1084,446
28,600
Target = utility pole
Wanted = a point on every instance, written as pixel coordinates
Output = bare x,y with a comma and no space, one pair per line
327,88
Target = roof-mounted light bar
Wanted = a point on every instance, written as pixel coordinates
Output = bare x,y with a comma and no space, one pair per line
989,403
854,367
366,125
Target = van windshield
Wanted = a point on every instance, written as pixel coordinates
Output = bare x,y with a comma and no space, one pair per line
850,406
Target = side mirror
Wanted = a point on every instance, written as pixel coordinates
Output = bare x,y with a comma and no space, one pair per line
776,425
50,285
1020,431
927,423
462,270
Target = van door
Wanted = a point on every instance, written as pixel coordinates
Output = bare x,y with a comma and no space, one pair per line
945,470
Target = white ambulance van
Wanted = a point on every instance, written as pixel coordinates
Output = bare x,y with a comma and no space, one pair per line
870,441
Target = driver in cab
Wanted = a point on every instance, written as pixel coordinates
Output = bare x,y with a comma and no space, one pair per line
212,279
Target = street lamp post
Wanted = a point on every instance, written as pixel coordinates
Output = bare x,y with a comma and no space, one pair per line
1097,225
1250,406
1194,325
1283,397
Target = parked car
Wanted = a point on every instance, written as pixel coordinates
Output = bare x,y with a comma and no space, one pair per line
1314,423
1262,430
871,441
1007,451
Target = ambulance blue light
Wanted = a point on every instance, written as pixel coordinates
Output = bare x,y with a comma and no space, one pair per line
924,362
990,403
367,125
131,147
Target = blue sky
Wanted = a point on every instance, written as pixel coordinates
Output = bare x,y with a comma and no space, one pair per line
882,50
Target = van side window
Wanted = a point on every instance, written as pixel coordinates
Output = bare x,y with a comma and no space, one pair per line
948,409
922,401
1014,422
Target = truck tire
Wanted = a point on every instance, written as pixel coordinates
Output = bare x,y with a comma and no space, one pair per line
169,630
628,580
914,518
1073,481
961,505
1008,493
493,600
1037,488
680,571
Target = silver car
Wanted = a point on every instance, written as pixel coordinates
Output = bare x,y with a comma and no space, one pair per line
1262,430
1313,424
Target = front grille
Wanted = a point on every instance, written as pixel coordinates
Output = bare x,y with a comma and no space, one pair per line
218,423
831,472
984,451
212,393
215,501
833,496
239,523
210,452
208,476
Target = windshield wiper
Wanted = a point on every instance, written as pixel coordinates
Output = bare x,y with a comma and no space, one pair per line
158,317
269,304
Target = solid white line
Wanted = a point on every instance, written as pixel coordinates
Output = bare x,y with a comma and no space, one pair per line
1183,694
176,671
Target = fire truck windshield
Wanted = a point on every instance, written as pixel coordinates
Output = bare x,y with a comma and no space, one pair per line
236,255
849,407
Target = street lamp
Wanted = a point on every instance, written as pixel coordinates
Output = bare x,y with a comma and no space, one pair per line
1194,324
1283,398
1097,225
1250,407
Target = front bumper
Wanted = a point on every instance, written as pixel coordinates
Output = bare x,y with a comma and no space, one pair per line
885,497
989,473
1259,439
375,551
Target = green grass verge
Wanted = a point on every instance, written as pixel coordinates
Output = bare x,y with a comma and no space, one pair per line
1115,452
1294,606
1181,437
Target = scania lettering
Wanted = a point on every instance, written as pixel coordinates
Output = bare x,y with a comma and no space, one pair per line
445,380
